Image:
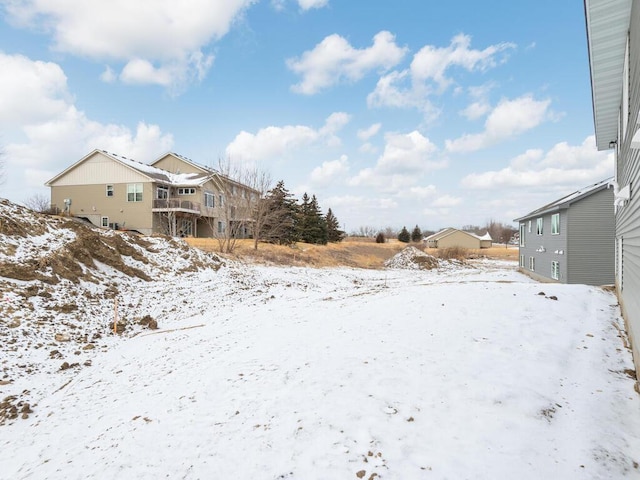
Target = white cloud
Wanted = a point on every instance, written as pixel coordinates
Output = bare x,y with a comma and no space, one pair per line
309,4
165,33
108,76
429,74
421,193
275,142
367,148
30,91
432,63
404,159
54,132
407,153
366,133
334,60
562,165
330,172
476,110
508,119
446,201
360,202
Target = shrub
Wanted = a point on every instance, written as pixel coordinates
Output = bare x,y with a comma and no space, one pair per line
380,238
453,253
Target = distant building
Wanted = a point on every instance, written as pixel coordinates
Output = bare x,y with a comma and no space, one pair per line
571,239
173,196
452,237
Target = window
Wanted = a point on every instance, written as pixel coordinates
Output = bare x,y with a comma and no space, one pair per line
529,226
105,221
220,198
555,224
539,226
555,270
532,264
220,227
109,190
209,199
134,192
522,234
522,261
186,191
162,193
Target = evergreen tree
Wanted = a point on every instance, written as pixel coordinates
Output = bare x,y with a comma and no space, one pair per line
334,234
404,235
416,234
280,222
380,238
312,227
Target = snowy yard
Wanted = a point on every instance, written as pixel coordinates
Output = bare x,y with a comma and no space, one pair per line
296,373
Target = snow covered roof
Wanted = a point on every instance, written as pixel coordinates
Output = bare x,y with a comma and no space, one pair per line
567,200
151,172
448,231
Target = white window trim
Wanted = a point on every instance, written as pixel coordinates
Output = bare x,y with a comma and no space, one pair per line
186,191
555,270
132,189
539,226
521,240
532,264
109,191
522,261
103,223
212,197
556,224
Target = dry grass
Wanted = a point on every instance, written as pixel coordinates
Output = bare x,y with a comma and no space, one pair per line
361,253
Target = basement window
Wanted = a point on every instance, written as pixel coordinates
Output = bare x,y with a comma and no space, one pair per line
555,270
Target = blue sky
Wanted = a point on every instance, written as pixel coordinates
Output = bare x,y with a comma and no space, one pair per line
391,113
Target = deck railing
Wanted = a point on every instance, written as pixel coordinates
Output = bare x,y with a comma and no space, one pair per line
176,204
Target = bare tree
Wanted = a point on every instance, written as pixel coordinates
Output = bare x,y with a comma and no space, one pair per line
261,212
237,200
365,231
38,203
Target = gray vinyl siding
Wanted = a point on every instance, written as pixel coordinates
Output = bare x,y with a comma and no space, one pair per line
546,248
590,241
628,216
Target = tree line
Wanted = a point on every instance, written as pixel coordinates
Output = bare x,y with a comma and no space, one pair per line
284,220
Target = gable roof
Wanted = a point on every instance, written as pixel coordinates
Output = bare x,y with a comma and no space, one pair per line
607,27
449,231
567,200
154,174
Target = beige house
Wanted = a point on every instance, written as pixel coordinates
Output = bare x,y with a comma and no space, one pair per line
173,196
452,237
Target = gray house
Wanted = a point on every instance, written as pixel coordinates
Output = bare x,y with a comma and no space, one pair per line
613,39
571,240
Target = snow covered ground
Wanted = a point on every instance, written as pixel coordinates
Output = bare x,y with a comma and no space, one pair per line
293,373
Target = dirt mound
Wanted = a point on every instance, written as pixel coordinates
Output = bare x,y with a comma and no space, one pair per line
49,249
413,259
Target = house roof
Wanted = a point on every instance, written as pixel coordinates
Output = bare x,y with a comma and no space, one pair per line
607,27
567,200
151,172
449,231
